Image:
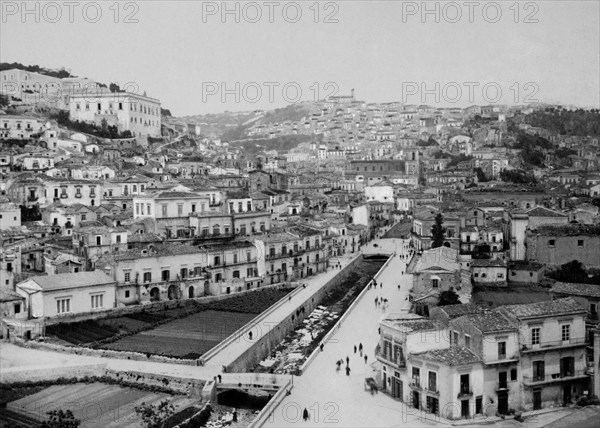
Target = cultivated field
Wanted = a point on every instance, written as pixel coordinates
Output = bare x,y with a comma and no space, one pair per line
188,337
95,404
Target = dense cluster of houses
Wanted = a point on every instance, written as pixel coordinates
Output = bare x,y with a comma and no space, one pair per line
91,224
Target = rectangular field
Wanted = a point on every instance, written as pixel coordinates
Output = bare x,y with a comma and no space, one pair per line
188,337
94,404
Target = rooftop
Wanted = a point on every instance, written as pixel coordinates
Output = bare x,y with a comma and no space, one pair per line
544,212
453,356
487,263
71,280
489,322
576,289
542,309
567,230
454,311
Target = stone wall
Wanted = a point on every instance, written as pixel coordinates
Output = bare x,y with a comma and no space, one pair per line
52,373
190,387
268,342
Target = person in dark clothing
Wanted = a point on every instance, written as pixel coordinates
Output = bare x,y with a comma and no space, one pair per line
321,346
360,348
347,360
365,358
305,414
347,370
250,335
355,349
219,377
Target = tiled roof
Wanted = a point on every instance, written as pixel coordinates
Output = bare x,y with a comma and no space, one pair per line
576,289
540,309
487,263
453,356
158,251
412,325
544,212
438,258
454,311
71,280
490,322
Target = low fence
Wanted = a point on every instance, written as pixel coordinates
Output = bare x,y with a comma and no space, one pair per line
338,324
105,353
51,373
273,403
239,333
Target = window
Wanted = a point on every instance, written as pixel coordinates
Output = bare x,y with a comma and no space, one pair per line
127,276
98,240
63,306
180,210
118,239
416,376
467,341
236,273
455,341
535,336
538,371
432,386
193,208
500,275
97,301
17,308
501,350
235,258
551,242
164,210
513,374
165,275
566,332
197,271
147,276
580,243
126,294
217,260
435,282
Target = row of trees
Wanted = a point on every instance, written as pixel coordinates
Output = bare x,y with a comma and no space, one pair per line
103,131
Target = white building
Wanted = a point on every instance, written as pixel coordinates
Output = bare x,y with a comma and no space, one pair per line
136,113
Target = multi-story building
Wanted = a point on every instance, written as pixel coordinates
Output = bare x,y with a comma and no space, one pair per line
552,345
19,127
91,242
560,244
297,253
138,114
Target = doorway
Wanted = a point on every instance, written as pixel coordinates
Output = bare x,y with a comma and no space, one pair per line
503,402
537,399
464,408
415,399
567,394
396,388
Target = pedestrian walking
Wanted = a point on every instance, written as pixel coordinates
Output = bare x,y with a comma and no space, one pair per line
360,347
321,346
347,360
365,358
347,370
305,414
375,301
250,335
381,285
398,286
355,349
219,377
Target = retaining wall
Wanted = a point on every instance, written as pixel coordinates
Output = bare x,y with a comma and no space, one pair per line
190,387
276,334
339,322
273,403
52,373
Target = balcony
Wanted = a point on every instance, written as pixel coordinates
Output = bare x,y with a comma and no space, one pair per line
396,363
415,384
432,390
502,386
502,359
465,392
554,378
554,344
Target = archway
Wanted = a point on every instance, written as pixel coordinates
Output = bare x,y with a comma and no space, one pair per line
191,292
447,244
173,292
155,294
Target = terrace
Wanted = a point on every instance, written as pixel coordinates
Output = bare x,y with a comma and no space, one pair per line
554,378
554,344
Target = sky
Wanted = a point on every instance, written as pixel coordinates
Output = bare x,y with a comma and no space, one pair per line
198,59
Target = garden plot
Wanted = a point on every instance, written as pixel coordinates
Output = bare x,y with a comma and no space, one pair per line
95,404
188,337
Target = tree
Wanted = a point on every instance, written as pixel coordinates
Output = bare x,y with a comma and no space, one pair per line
448,297
480,175
154,416
113,87
438,231
4,101
60,419
574,271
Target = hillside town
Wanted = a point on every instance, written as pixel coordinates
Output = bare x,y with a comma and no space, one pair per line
110,204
